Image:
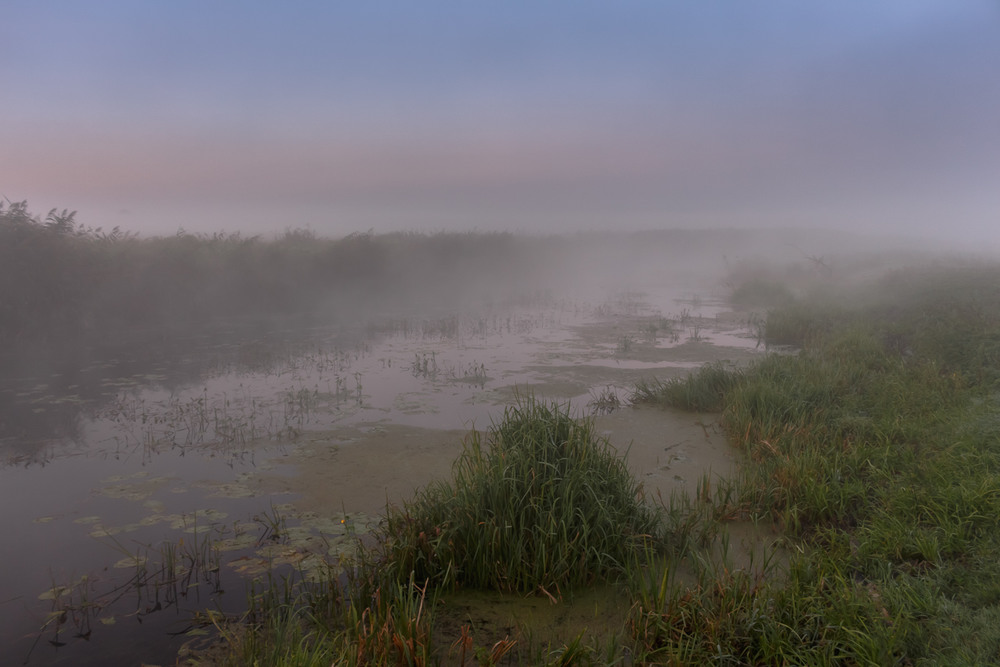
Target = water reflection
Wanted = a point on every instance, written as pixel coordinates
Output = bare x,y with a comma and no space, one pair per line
138,460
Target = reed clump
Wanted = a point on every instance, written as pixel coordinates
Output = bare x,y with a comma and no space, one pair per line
543,503
703,391
539,504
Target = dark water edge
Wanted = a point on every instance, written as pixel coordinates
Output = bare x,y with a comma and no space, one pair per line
49,454
45,391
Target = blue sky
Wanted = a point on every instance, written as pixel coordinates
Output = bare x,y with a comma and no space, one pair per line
526,116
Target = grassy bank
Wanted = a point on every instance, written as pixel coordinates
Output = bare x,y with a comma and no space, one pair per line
876,450
540,505
872,457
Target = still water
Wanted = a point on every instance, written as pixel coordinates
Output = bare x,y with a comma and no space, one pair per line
137,492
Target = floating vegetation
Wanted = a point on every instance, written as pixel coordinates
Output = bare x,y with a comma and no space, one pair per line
274,543
141,490
228,424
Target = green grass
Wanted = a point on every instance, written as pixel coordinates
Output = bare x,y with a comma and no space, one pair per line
539,505
703,391
874,450
544,503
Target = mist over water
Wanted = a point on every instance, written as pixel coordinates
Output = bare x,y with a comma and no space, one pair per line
155,388
314,246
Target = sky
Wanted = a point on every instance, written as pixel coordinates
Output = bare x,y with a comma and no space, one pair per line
545,116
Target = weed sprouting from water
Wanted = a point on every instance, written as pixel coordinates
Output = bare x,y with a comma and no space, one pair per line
542,505
545,503
425,365
605,401
473,373
703,391
662,326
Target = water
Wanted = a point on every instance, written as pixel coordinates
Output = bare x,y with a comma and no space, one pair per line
110,467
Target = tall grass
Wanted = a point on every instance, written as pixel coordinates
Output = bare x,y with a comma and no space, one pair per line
874,450
541,506
703,391
67,286
544,503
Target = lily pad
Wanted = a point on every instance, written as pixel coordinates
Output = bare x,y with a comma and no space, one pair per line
236,543
130,562
86,520
155,505
55,593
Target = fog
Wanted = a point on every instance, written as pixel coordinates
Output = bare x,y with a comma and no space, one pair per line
257,254
75,294
875,118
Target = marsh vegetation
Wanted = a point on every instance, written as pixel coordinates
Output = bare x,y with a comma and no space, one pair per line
873,451
870,455
173,386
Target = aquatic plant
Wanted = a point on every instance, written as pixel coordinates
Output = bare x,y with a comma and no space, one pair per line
702,391
605,401
544,503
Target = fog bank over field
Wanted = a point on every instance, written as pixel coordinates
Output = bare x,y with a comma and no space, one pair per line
72,285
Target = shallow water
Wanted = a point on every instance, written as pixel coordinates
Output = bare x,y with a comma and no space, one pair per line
105,464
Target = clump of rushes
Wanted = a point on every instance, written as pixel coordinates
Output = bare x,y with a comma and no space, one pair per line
703,391
544,503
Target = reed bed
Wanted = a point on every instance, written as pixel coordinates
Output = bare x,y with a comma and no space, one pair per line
73,288
543,503
872,455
